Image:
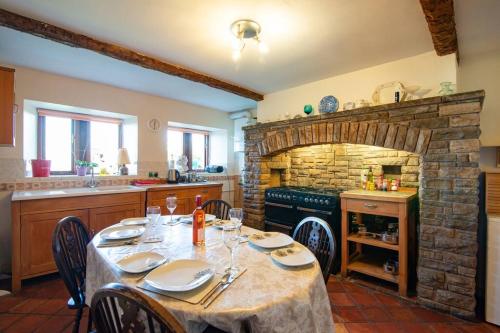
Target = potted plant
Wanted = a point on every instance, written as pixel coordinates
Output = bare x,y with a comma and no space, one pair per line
83,166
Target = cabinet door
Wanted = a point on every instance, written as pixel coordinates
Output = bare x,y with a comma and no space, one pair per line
104,217
6,106
182,206
207,193
36,240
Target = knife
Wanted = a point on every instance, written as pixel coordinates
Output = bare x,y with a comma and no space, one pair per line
112,244
224,287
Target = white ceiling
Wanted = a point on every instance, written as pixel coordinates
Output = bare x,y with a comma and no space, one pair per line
308,41
478,26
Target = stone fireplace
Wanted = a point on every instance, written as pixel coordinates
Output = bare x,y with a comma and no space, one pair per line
434,142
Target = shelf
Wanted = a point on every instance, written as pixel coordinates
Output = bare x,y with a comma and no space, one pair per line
373,267
373,242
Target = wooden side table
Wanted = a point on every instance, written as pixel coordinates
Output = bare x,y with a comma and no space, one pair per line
393,204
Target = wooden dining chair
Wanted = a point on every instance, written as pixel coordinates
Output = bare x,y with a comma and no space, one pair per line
318,236
219,208
117,308
69,248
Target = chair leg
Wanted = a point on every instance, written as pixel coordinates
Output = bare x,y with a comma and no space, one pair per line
89,323
78,317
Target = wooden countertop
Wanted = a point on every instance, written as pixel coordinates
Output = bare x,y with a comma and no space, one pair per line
399,196
100,190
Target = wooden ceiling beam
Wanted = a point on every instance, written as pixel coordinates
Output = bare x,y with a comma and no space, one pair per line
440,17
61,35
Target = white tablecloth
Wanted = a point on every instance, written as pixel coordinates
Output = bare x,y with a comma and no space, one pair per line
268,297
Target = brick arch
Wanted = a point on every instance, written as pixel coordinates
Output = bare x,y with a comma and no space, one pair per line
444,131
384,135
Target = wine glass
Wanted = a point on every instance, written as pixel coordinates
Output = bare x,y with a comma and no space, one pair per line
171,206
236,215
231,238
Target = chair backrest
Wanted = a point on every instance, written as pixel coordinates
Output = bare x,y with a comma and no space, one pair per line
69,248
318,236
118,308
219,208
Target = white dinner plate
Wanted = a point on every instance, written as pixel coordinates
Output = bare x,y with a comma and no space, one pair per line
135,221
122,232
270,240
189,218
293,257
140,262
180,275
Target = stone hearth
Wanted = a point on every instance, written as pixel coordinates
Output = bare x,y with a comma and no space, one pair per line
443,132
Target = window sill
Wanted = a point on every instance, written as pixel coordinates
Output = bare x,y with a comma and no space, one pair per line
75,177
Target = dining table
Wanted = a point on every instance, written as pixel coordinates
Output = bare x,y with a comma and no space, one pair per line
268,297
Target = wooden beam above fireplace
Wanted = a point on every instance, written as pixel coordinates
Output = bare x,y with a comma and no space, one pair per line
67,37
440,17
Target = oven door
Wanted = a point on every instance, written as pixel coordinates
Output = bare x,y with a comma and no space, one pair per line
280,217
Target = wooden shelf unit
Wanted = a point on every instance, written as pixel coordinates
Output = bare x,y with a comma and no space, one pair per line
373,267
373,242
392,204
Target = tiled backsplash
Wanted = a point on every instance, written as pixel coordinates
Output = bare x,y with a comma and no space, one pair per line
12,177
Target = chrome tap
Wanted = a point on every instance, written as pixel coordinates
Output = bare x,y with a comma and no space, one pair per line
92,183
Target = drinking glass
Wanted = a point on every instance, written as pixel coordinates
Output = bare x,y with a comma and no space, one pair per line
153,214
171,206
236,215
231,238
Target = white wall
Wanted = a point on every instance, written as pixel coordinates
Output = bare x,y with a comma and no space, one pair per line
41,86
482,71
426,70
152,149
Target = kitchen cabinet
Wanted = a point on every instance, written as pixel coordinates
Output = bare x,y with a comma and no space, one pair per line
34,221
185,196
101,218
6,106
36,234
398,205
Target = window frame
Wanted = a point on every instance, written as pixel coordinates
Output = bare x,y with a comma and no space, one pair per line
187,145
80,128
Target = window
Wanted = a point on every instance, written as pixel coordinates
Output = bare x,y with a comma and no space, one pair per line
65,137
191,143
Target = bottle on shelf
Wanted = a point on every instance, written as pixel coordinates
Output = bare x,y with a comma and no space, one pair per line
363,180
198,223
370,175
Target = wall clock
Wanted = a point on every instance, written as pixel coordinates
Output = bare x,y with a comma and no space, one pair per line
154,125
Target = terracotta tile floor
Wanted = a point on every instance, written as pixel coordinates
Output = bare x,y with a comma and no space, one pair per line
41,307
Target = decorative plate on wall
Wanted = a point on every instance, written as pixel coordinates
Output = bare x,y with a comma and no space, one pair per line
328,104
154,125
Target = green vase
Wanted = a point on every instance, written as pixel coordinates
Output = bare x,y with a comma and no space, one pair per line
308,109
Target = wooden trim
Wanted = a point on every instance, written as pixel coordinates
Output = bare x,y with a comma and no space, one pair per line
78,116
440,17
70,38
16,246
7,69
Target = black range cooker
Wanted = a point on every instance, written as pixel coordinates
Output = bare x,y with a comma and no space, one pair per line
285,207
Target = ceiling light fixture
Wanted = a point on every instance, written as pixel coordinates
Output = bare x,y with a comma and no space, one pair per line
244,30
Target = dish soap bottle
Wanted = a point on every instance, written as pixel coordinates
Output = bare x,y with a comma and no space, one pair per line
198,224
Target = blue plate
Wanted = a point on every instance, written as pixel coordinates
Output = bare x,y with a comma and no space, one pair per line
328,104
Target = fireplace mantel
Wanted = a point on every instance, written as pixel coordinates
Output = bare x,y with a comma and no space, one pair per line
444,131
